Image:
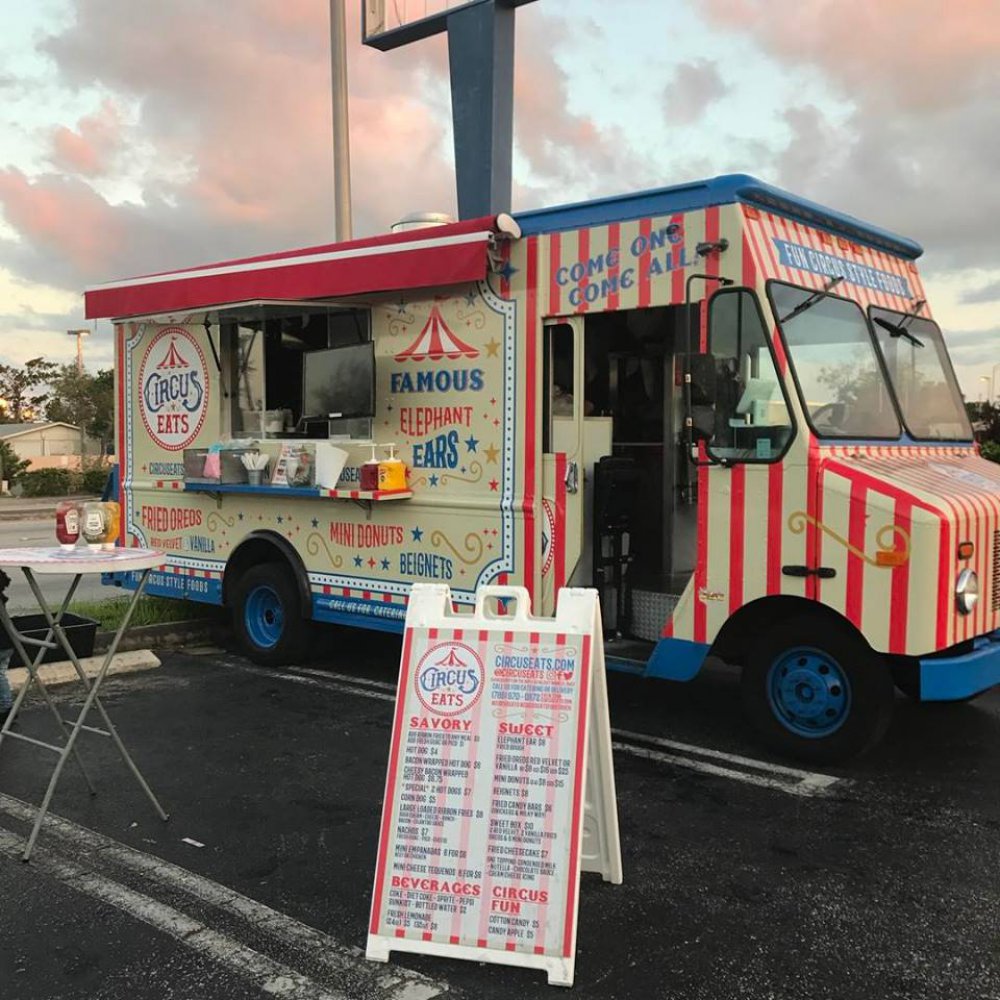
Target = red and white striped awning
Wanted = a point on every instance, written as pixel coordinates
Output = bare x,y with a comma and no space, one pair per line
426,258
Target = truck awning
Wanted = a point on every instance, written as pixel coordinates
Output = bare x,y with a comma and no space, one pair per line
423,258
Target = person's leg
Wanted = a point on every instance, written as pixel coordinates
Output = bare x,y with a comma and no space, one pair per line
6,695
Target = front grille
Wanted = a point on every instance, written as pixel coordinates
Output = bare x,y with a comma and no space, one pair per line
996,570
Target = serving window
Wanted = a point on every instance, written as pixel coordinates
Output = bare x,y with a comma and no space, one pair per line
298,370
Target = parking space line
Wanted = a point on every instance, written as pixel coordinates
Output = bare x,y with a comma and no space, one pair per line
749,770
789,779
293,675
272,977
335,958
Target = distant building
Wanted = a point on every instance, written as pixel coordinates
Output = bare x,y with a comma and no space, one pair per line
50,445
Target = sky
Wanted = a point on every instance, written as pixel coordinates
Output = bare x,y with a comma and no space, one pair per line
139,137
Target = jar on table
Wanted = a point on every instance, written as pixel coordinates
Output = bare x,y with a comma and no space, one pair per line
68,524
94,523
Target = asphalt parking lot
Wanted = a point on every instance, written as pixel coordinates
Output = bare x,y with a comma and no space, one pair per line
744,878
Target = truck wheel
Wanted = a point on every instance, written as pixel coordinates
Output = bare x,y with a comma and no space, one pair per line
267,615
816,691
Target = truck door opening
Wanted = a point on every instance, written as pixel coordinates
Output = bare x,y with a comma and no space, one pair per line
641,528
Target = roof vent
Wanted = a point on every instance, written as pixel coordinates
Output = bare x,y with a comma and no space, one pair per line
421,220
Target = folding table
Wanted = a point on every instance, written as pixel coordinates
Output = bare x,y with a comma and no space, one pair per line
77,562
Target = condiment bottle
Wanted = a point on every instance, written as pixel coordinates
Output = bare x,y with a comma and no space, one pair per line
68,524
94,524
112,518
370,472
391,472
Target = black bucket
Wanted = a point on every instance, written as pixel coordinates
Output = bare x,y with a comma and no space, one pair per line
80,632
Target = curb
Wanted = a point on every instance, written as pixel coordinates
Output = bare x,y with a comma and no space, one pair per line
166,635
64,672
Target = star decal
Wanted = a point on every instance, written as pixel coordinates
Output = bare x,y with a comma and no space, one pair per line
315,523
385,564
470,298
401,307
240,515
471,443
372,564
418,535
507,271
492,453
280,519
433,480
358,561
492,346
494,485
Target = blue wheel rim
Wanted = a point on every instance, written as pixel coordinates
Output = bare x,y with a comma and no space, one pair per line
808,692
264,616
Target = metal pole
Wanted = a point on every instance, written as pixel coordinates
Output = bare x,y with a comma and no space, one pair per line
341,132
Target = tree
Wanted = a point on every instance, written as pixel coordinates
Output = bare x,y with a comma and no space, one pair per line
84,400
21,392
11,465
985,418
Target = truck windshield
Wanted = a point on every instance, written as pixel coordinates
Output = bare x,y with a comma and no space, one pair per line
835,364
921,376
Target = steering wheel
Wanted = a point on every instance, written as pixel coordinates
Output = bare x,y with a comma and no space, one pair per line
830,416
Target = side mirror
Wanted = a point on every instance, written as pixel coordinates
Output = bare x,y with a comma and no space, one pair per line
701,368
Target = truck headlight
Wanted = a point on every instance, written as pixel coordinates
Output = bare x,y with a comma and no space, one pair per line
966,591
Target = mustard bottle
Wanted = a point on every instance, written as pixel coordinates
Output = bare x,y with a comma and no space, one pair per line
391,472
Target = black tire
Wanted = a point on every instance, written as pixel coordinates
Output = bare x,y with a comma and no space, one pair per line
267,615
810,664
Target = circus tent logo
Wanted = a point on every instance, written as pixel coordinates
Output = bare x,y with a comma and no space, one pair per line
436,341
173,386
449,678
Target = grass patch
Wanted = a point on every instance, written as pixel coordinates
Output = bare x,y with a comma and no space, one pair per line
149,611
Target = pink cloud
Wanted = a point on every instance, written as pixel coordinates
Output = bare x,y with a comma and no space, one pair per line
911,54
61,218
233,100
90,149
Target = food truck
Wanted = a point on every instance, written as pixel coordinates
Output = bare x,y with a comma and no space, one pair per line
725,406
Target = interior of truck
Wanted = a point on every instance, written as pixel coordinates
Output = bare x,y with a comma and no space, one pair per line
640,523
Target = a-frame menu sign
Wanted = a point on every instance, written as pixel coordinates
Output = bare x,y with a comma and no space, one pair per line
500,785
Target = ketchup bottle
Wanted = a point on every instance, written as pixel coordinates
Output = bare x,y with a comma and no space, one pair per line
68,524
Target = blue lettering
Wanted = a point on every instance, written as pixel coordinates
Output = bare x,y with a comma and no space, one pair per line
438,380
440,452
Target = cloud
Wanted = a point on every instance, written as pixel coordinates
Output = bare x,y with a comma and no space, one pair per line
913,55
232,123
692,89
91,148
918,148
985,293
569,155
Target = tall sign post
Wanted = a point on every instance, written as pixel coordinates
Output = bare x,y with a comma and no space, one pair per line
481,61
341,132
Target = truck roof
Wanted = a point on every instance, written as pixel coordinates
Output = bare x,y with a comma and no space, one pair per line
723,190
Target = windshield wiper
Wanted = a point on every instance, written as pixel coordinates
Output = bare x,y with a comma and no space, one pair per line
897,330
811,301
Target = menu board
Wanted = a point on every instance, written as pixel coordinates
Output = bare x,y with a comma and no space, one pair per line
480,846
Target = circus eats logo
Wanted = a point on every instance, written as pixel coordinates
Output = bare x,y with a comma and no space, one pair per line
173,386
449,678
